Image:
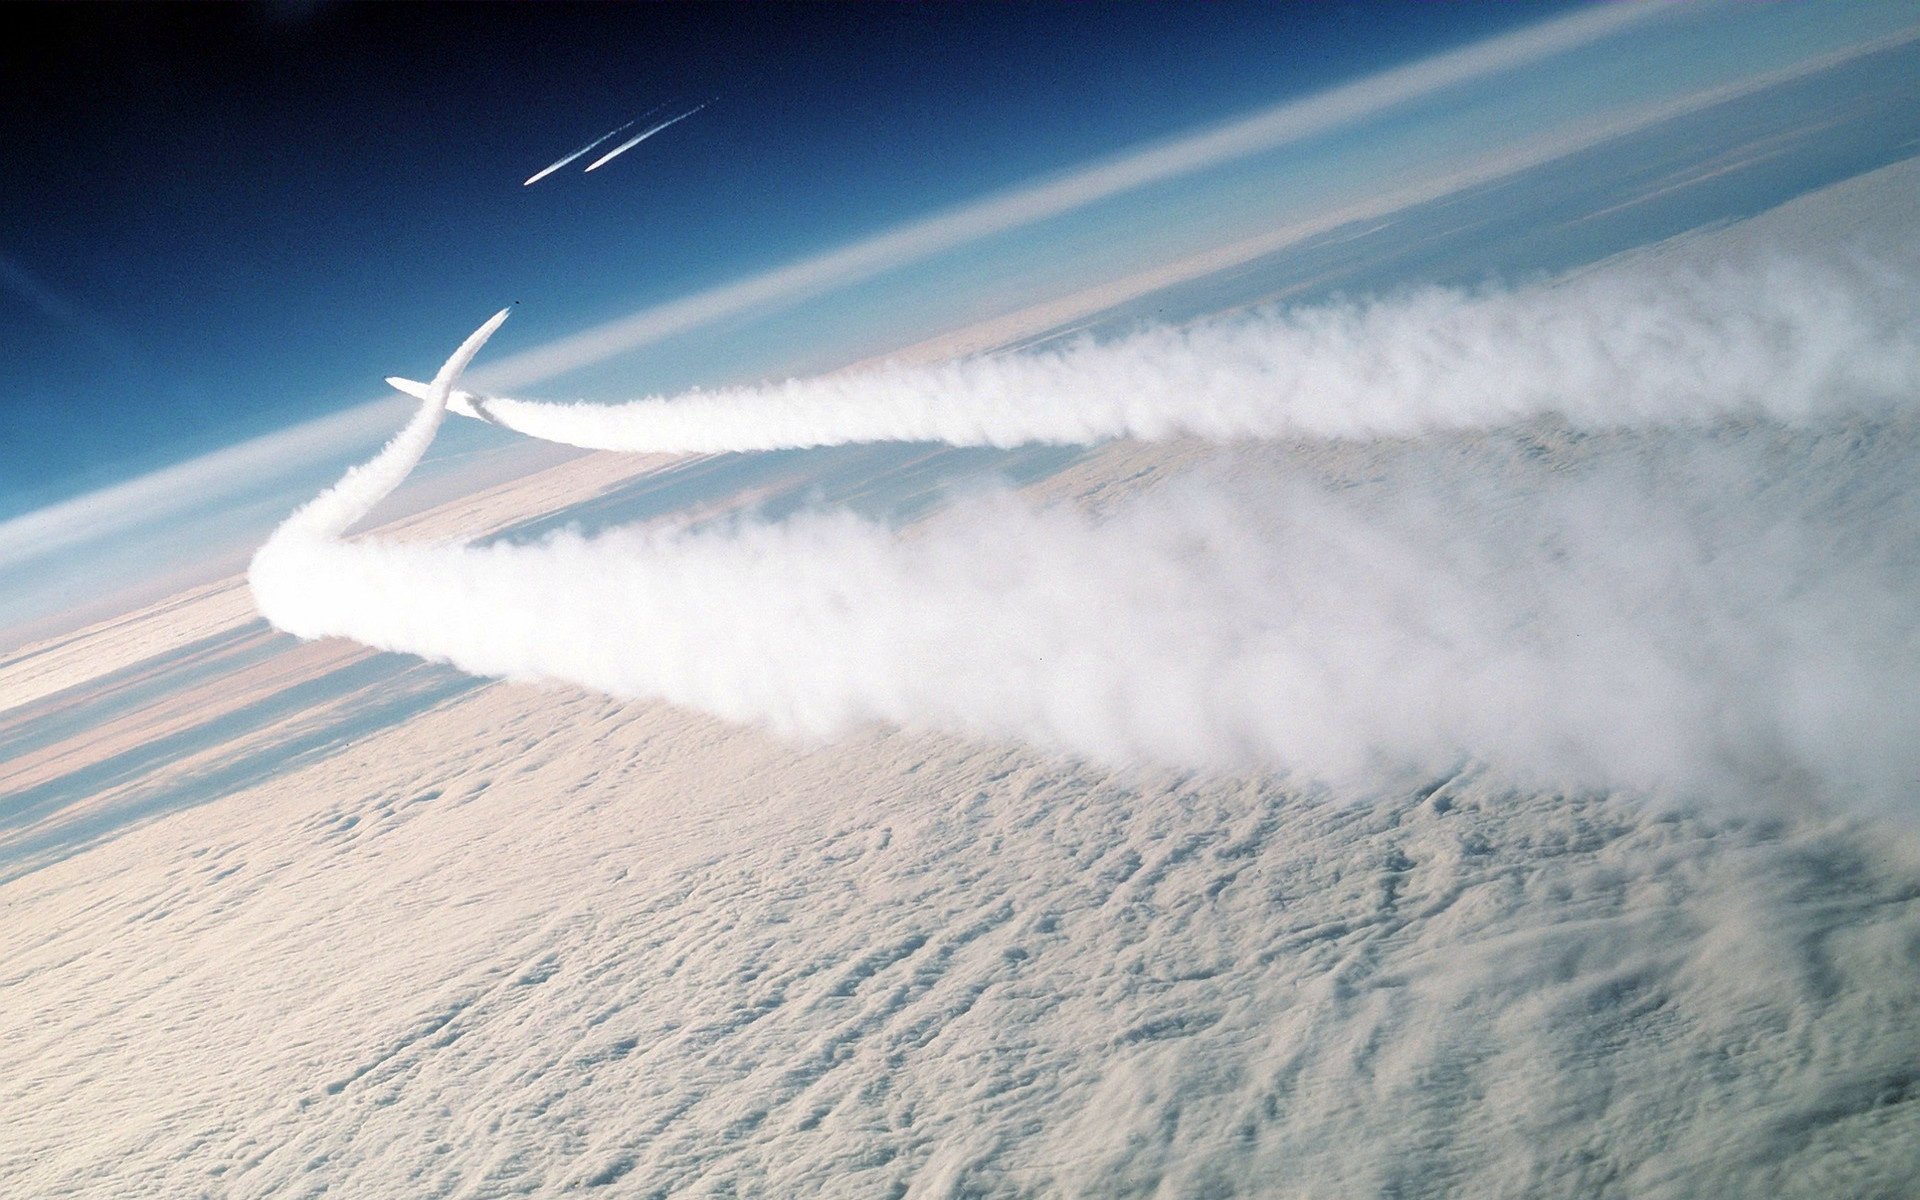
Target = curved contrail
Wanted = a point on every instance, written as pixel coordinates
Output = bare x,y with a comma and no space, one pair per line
334,511
635,140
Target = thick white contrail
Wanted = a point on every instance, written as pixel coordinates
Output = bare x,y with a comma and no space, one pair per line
1699,609
642,136
1639,341
1695,622
549,169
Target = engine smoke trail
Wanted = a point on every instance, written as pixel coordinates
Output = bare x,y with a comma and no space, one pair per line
1632,343
1691,614
334,511
630,143
545,171
1709,595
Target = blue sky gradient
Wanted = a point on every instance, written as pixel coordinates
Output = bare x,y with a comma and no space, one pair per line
203,203
226,222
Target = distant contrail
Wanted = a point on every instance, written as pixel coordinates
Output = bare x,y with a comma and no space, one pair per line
625,146
543,172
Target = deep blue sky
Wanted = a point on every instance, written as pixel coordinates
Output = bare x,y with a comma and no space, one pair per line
217,220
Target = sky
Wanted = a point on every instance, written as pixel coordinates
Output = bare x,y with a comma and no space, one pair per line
201,198
1508,646
227,224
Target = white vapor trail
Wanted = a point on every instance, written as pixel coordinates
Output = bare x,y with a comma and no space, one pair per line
334,511
1791,339
549,169
1714,608
642,136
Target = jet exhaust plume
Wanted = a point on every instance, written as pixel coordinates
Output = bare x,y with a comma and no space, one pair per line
336,510
550,168
642,136
1708,593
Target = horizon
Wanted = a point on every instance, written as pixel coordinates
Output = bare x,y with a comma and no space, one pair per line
836,305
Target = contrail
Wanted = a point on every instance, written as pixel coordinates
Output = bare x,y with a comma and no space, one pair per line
1676,606
335,510
630,143
548,170
1634,343
1683,616
543,172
